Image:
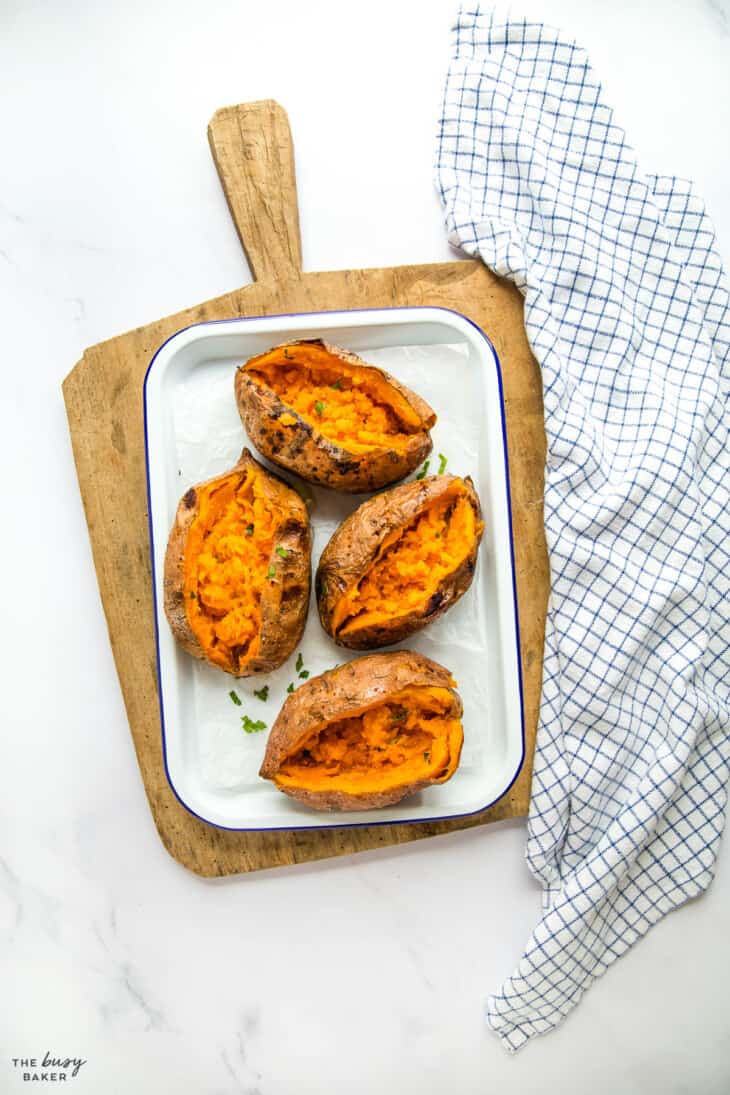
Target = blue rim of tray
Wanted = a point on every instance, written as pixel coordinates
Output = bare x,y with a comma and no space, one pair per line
337,824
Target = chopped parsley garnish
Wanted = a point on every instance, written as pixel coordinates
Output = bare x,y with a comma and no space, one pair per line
427,757
304,674
282,551
300,662
249,530
442,463
399,715
424,471
192,595
337,384
290,689
262,693
235,697
252,727
319,407
271,572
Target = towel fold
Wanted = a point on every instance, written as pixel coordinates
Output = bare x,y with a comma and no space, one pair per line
627,312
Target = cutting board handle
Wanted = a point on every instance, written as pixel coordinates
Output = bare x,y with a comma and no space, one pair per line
254,154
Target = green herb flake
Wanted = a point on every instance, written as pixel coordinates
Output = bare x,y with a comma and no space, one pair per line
442,463
427,757
282,552
290,689
271,572
252,727
399,714
193,595
304,674
319,407
424,471
235,697
249,530
300,662
337,384
262,693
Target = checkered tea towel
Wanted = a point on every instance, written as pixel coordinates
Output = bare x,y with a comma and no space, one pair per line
626,309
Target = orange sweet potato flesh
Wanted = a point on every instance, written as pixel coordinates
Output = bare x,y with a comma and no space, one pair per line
237,570
348,404
411,565
226,565
410,738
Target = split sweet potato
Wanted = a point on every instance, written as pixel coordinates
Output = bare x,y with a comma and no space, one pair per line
237,570
400,561
326,415
366,734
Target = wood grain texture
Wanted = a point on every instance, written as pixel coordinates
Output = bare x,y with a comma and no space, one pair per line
103,395
254,156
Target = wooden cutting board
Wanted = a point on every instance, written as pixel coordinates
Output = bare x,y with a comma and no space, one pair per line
253,152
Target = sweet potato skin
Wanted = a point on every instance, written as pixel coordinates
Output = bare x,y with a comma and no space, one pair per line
284,603
300,447
341,692
354,545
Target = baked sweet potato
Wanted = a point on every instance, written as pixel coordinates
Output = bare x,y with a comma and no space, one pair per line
237,570
367,733
399,561
325,414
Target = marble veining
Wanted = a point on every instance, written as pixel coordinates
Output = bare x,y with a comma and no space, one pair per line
721,14
32,906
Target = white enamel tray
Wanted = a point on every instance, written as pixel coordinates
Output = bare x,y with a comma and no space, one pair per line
193,432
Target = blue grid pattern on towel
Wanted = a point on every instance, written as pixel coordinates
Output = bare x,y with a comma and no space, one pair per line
626,310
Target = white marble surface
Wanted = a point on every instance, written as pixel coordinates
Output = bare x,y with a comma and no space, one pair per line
352,976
